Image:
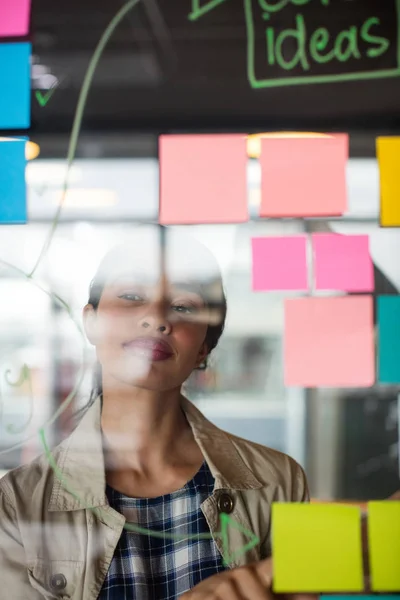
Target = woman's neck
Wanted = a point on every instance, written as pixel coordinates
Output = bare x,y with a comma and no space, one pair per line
143,429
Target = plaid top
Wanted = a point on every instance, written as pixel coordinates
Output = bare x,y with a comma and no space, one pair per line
151,568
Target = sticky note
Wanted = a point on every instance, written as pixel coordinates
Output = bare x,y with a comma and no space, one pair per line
12,182
342,262
316,548
279,263
388,155
384,545
388,319
329,342
15,70
203,179
359,597
303,177
14,17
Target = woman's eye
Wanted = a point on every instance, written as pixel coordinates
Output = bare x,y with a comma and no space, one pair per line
185,308
133,297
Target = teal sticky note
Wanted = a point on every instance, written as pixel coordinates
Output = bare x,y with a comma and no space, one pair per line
12,182
15,96
360,597
388,318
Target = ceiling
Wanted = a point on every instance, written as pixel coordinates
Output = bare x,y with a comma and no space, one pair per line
161,72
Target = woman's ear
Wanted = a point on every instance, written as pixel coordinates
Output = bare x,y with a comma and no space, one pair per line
90,323
203,353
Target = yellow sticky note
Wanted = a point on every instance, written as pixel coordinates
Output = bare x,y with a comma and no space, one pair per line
316,548
384,545
388,154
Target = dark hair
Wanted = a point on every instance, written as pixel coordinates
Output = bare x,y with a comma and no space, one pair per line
214,331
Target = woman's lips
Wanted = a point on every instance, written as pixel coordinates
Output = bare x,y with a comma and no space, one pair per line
150,348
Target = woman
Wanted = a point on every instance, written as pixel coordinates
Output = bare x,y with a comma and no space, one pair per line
130,504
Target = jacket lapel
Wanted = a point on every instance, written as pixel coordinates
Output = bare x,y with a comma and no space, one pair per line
231,476
80,480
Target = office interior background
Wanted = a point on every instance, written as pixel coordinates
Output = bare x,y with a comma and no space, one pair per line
346,439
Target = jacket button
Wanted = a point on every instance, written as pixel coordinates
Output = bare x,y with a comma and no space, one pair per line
58,581
225,503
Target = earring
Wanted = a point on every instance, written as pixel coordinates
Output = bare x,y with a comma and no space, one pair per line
203,365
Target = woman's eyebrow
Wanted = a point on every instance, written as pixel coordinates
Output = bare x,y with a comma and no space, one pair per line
138,277
207,292
186,286
132,277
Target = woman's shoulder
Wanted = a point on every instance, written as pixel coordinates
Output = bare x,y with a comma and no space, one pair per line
272,466
32,480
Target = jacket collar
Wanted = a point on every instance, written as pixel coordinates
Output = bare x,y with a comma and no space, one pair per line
79,479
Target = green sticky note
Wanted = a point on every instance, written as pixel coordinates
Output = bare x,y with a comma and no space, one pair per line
384,545
316,548
388,311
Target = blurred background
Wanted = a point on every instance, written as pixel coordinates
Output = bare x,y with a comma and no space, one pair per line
163,73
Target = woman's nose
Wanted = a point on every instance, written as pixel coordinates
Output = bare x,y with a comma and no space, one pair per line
156,318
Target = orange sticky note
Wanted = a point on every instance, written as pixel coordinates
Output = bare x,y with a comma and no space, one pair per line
388,155
329,342
384,545
304,177
316,548
203,179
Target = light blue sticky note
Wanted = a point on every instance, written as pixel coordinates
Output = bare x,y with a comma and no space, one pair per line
12,182
15,96
388,313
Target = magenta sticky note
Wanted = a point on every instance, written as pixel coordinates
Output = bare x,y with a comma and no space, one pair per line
279,263
203,179
14,17
329,342
304,177
342,262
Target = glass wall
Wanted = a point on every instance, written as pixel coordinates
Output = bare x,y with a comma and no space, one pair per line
347,440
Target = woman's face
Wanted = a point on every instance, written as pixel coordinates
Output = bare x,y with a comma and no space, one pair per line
148,332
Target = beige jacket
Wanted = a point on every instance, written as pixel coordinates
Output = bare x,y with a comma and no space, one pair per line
57,539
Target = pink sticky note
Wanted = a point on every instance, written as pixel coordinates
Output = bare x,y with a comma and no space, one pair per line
280,263
304,177
14,17
329,342
203,179
342,262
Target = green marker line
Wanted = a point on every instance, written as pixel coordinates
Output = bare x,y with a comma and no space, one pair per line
87,82
44,98
64,405
77,124
76,128
198,11
25,375
71,155
225,520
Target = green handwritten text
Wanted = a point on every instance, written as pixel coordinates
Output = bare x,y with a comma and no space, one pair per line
297,49
310,49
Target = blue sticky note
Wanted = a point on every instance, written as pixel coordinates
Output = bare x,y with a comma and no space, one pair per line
388,312
12,182
15,96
